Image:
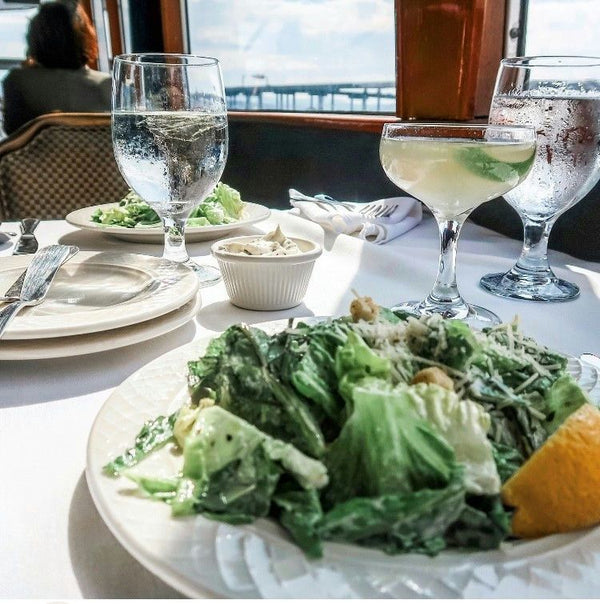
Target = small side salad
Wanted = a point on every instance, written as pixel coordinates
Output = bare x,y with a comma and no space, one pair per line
376,429
223,206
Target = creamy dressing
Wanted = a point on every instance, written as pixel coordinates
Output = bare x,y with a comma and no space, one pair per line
274,243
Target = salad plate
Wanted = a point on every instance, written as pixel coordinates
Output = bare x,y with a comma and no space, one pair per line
82,218
201,557
97,291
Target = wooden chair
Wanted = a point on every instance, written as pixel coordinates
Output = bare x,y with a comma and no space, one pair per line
57,163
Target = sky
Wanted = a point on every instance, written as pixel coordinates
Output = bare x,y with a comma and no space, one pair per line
13,24
296,41
578,22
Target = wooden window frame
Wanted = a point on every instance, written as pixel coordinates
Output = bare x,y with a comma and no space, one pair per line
490,35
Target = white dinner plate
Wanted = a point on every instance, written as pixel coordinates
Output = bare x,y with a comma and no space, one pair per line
111,339
252,212
95,291
200,557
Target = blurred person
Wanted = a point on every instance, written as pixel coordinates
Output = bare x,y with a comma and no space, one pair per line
61,47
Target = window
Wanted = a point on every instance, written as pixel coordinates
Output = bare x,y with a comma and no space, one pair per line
13,26
556,27
300,55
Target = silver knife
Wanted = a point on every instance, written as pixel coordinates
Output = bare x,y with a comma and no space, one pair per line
37,281
27,243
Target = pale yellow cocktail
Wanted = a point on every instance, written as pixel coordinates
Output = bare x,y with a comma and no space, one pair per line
454,176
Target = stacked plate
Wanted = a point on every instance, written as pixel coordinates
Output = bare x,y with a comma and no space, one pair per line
99,301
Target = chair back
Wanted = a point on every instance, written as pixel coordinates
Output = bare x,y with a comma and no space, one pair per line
57,163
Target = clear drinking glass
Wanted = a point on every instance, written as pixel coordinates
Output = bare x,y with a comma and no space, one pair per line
560,97
170,138
453,168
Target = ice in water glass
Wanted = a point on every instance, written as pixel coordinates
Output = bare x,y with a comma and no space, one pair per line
560,98
170,138
453,168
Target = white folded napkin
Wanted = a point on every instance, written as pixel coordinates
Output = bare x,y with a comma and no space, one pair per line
347,219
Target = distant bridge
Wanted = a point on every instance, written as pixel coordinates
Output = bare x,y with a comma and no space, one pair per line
285,95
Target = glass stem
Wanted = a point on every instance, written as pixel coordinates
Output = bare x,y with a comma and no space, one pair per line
174,227
445,289
534,255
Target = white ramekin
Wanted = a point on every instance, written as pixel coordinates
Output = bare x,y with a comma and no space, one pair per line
266,282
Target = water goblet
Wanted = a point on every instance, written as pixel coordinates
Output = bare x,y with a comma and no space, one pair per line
170,138
453,168
560,98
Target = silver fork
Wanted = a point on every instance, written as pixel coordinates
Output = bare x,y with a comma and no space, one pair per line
373,209
378,209
323,199
348,205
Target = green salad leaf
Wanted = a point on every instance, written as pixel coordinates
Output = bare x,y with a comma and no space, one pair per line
483,524
385,448
223,206
236,369
304,359
232,468
563,398
228,198
300,512
464,425
508,460
413,521
154,434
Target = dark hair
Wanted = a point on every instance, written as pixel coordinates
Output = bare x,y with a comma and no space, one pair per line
62,35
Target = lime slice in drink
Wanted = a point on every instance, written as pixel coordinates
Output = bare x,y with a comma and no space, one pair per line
496,163
509,154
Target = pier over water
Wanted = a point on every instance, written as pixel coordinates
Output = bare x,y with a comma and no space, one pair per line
346,96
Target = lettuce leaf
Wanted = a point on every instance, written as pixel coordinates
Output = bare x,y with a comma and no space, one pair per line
219,437
483,524
464,425
228,199
231,468
304,358
154,434
447,341
563,398
355,361
301,514
400,522
385,448
508,460
235,372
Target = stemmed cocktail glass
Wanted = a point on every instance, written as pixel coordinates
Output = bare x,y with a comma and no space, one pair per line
560,97
453,168
169,125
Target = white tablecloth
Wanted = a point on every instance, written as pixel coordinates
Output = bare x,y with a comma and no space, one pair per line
53,544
